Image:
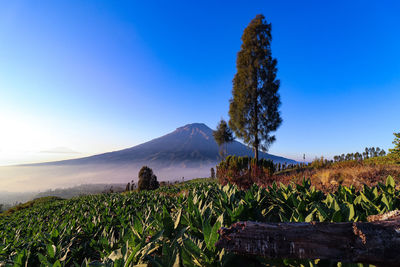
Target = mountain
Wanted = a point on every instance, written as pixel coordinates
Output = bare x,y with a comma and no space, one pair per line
189,151
189,146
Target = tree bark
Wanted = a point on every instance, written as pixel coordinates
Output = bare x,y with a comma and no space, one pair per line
256,140
256,154
374,242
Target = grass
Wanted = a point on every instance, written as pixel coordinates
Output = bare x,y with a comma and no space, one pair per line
329,176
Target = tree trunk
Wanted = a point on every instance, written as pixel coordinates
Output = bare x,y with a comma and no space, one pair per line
256,154
256,140
374,242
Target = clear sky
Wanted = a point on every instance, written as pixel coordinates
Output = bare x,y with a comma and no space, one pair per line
84,77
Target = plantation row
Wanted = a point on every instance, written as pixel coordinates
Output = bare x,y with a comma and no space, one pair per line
174,226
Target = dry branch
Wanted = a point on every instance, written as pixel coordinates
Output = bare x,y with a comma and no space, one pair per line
375,242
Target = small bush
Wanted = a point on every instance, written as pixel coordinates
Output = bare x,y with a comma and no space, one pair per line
147,179
244,171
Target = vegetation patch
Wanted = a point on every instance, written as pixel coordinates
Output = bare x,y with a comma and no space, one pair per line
41,200
167,228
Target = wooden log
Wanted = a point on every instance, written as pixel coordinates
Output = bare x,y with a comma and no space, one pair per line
375,242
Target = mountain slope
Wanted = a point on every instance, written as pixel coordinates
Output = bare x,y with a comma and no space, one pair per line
189,151
192,145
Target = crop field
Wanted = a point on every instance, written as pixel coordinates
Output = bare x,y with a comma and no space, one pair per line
173,226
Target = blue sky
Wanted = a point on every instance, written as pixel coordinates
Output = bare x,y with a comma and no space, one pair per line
85,77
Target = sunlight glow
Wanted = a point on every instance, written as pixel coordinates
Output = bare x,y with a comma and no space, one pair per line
23,137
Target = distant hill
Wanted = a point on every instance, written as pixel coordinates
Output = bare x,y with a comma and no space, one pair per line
189,146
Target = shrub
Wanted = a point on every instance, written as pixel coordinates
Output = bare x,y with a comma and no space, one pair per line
346,164
147,179
244,171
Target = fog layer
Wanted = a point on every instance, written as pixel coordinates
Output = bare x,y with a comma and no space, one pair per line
44,177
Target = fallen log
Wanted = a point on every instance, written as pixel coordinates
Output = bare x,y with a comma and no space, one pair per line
375,242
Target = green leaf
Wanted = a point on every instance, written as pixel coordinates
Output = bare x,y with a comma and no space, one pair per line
207,231
178,219
156,236
358,200
213,236
19,261
51,250
137,227
351,211
375,192
336,206
168,224
188,258
192,248
42,259
386,202
310,216
54,233
337,216
390,181
321,214
130,259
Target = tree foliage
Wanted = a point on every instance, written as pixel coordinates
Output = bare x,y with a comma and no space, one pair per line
147,179
369,152
396,142
253,110
223,135
212,173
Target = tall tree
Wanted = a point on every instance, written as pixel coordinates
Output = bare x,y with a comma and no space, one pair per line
147,179
212,173
396,142
372,152
253,109
223,135
366,155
